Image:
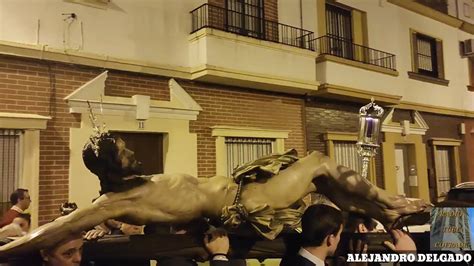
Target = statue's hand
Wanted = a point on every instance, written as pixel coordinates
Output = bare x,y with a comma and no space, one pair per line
11,230
95,233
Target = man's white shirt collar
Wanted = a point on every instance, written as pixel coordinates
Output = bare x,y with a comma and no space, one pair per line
16,208
306,254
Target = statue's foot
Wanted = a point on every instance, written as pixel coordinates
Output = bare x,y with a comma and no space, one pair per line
409,211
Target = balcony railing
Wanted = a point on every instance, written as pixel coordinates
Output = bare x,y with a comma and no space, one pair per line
210,16
342,48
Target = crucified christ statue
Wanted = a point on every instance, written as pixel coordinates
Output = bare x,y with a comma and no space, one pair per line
180,198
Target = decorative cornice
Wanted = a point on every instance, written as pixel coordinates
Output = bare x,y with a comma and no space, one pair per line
180,106
412,5
419,127
338,92
23,121
230,131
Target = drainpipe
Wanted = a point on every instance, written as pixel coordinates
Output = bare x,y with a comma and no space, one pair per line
301,14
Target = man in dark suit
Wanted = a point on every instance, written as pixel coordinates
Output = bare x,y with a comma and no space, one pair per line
321,232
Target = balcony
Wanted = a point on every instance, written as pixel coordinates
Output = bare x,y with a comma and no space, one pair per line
237,49
342,48
210,16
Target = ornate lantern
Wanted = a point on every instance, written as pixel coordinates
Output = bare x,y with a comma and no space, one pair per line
369,131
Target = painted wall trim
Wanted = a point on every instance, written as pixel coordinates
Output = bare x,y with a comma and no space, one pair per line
220,75
23,121
419,127
344,61
445,141
221,132
44,52
341,136
336,91
406,105
205,32
412,5
180,106
230,131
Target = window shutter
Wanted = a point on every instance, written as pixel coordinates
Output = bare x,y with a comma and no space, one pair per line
414,47
439,57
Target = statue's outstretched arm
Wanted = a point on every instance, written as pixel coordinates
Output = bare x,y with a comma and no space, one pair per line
53,232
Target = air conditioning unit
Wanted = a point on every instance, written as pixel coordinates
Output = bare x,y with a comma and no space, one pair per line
469,47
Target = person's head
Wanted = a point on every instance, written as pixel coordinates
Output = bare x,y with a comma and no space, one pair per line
321,227
21,198
108,157
67,253
24,221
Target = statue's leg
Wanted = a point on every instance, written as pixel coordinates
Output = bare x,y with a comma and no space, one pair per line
352,192
353,183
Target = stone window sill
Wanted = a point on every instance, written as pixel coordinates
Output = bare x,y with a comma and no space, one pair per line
425,78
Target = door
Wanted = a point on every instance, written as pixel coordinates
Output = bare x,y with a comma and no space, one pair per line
401,164
148,148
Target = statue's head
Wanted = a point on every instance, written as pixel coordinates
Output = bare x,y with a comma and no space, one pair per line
108,157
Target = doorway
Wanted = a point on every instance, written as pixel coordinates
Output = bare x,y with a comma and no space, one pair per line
405,170
148,148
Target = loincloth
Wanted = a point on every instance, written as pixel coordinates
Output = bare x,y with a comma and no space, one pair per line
267,221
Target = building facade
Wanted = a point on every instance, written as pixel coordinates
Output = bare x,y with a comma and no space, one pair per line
202,86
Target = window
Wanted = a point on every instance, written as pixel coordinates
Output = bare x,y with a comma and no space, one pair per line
245,17
243,150
341,147
345,153
238,145
444,173
426,55
9,166
470,61
446,165
427,59
339,31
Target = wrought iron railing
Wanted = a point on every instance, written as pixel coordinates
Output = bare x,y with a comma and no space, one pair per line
210,16
342,48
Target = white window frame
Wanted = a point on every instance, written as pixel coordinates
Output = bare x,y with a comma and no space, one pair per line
451,143
31,124
331,137
221,132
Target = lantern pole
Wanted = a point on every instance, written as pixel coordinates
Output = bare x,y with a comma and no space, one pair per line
369,130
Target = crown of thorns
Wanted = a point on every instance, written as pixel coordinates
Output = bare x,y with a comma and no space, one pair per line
99,132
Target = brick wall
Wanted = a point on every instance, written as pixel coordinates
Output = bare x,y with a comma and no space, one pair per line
324,115
39,87
124,84
30,86
230,106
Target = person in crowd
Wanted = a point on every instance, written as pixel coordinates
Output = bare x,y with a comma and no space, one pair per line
321,232
67,253
217,244
20,199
